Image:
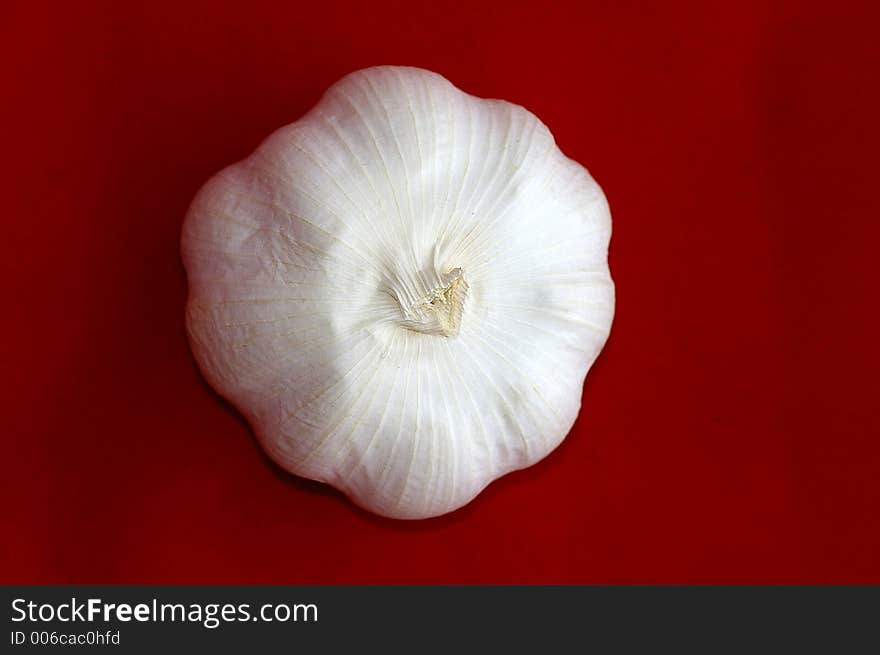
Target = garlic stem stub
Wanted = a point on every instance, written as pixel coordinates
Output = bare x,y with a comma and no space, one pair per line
402,291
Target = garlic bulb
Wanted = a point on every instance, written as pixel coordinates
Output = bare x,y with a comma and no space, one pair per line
402,291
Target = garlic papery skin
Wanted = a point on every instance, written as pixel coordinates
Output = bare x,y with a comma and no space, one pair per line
402,291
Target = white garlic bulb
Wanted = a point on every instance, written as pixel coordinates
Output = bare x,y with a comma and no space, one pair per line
402,291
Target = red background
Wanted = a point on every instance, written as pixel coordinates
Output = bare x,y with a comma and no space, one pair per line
730,428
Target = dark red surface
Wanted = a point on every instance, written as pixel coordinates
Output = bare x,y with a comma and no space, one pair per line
730,430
